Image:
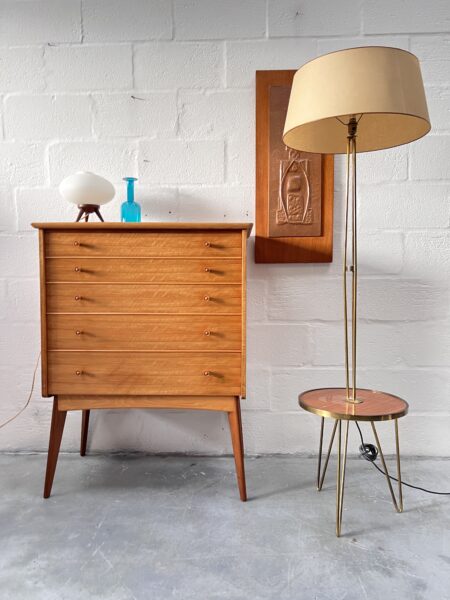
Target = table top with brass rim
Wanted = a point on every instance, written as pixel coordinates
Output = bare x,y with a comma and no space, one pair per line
373,405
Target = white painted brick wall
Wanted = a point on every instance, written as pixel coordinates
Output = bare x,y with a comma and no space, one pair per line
293,18
164,90
22,69
22,163
133,20
181,162
132,115
170,65
42,22
244,58
109,159
45,117
409,205
215,19
82,67
400,16
423,158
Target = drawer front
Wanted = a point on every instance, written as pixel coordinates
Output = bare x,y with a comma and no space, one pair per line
152,243
127,298
137,373
144,332
144,270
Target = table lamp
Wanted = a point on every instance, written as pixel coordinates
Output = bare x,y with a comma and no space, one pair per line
350,101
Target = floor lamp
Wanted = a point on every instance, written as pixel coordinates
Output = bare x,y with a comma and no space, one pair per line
345,102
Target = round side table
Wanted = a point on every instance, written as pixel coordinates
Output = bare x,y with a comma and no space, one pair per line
372,406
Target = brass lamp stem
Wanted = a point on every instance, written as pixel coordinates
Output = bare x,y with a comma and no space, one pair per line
352,127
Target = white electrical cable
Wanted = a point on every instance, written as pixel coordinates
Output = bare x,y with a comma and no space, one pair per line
29,396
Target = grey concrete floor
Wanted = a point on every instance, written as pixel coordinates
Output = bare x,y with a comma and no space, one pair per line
138,527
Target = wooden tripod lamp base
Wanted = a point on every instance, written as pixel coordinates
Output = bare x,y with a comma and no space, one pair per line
88,209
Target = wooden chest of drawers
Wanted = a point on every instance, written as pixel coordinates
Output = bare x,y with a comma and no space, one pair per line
143,315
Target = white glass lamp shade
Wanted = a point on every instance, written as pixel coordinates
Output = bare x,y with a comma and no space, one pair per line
382,87
86,188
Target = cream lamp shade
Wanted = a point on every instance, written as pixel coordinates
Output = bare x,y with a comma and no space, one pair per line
382,87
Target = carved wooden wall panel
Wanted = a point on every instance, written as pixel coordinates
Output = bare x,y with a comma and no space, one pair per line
294,190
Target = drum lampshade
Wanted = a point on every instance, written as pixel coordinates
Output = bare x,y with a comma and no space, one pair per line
382,87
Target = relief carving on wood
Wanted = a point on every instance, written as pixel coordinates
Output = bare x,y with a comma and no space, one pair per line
294,179
294,190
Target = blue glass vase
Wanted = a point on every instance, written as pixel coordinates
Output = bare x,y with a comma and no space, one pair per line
130,211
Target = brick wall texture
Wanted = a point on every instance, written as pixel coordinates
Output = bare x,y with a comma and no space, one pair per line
164,90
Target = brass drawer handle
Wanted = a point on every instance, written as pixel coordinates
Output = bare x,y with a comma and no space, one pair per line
206,298
207,269
77,297
78,372
207,244
78,269
206,373
76,243
207,332
78,332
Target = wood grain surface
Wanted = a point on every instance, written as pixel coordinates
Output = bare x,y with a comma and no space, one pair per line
136,373
153,298
144,270
193,244
286,249
148,226
208,333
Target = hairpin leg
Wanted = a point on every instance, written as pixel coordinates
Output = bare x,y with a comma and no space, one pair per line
399,472
321,479
383,462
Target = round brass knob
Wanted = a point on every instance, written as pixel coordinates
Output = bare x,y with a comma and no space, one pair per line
207,244
78,332
77,297
76,243
206,298
78,372
207,332
206,373
207,269
78,269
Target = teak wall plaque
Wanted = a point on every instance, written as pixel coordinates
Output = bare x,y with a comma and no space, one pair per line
294,190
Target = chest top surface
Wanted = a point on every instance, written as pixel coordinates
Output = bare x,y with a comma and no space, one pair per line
94,226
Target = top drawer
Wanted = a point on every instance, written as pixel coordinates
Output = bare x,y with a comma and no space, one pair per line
186,244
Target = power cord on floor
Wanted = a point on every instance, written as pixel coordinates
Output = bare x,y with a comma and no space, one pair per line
29,396
370,453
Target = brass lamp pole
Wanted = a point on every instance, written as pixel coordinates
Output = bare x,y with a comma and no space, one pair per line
375,94
352,127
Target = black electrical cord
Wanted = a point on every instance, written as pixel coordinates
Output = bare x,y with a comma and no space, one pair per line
370,453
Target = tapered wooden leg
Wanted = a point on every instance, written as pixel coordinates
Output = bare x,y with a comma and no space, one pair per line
234,419
56,431
84,431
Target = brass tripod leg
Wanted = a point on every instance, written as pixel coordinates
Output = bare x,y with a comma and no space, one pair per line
399,473
322,421
322,478
342,485
383,462
338,479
